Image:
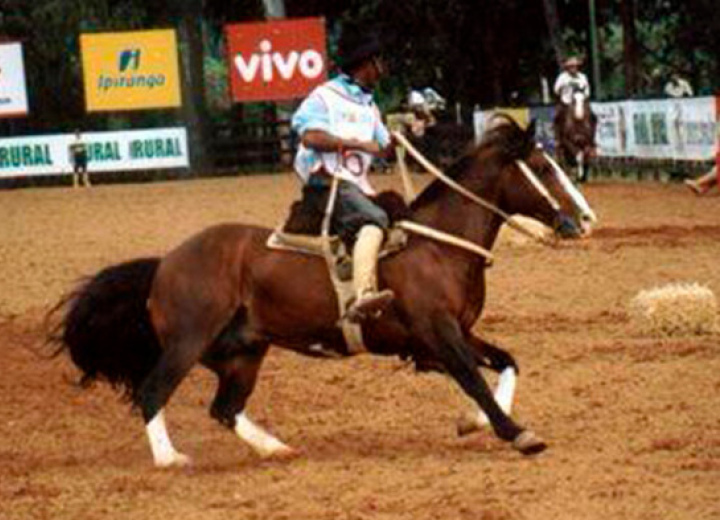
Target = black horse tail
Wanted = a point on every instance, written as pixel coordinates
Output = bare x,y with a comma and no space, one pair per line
106,327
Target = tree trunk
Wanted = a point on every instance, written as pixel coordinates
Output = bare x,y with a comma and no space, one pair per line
630,47
193,82
553,23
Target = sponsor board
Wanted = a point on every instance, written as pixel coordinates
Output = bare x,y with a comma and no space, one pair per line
13,91
667,129
150,149
130,70
283,59
679,129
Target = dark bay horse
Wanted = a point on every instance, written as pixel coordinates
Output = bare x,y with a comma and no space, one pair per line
575,126
221,298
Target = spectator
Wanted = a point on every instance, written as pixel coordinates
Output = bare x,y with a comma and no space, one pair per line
79,160
704,183
678,86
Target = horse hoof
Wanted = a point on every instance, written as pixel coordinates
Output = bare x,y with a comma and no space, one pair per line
281,453
467,424
177,460
528,443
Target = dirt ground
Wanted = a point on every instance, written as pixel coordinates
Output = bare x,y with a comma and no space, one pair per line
633,422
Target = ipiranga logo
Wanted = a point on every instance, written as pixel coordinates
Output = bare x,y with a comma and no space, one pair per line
129,74
131,70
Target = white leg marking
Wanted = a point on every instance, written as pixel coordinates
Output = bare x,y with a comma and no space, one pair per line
259,440
504,395
164,454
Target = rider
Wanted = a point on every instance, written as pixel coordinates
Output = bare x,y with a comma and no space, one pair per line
570,81
341,130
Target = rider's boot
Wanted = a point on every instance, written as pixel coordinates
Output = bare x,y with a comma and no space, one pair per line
368,300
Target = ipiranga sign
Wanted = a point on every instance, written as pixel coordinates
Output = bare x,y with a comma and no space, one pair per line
151,149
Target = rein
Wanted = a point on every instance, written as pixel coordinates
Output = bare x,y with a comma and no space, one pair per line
432,169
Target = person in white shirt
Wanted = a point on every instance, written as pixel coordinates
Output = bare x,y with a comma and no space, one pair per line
341,131
571,80
678,87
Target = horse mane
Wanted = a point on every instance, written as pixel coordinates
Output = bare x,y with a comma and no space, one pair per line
508,142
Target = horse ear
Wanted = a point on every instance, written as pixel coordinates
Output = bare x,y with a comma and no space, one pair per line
530,131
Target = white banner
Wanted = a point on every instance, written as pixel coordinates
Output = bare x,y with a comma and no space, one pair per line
13,94
149,149
680,129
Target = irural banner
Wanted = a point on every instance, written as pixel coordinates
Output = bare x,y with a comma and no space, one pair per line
149,149
13,93
276,60
130,70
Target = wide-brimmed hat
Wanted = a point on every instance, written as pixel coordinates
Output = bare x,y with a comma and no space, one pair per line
357,45
572,61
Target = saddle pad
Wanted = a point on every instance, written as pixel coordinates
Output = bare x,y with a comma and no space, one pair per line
313,245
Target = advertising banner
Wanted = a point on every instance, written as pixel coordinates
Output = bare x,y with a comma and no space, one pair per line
671,128
482,118
276,60
150,149
130,70
611,135
544,129
13,92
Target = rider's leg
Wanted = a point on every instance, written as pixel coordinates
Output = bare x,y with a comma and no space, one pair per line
365,252
704,183
360,218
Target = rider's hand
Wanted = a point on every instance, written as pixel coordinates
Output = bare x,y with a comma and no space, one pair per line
371,147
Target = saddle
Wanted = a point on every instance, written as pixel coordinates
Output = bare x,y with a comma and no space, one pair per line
301,234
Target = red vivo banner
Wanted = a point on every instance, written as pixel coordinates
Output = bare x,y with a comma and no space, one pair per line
282,59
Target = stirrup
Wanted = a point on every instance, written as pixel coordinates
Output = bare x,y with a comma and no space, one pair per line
371,304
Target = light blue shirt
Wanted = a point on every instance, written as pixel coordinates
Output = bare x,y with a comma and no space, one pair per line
342,108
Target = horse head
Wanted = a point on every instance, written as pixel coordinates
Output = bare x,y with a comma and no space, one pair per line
579,101
534,185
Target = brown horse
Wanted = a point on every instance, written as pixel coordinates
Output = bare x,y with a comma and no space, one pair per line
222,298
575,133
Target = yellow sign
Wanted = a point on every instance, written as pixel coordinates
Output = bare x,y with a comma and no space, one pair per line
520,115
130,70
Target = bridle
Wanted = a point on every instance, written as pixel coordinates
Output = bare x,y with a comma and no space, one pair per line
524,168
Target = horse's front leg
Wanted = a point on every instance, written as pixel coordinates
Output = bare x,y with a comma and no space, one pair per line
456,355
499,360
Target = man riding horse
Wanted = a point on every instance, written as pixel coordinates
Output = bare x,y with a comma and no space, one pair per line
340,131
574,122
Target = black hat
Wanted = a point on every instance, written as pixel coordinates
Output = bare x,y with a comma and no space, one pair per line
357,46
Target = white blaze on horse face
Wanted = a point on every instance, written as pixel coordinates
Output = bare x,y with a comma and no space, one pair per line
572,191
539,186
579,106
504,394
164,454
259,440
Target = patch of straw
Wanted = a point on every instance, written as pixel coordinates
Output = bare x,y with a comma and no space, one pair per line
678,309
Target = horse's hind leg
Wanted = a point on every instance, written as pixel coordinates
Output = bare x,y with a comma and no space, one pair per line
499,360
236,363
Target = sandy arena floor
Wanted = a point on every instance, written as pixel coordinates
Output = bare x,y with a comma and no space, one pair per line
633,422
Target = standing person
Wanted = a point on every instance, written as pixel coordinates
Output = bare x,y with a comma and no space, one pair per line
341,131
79,160
678,86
